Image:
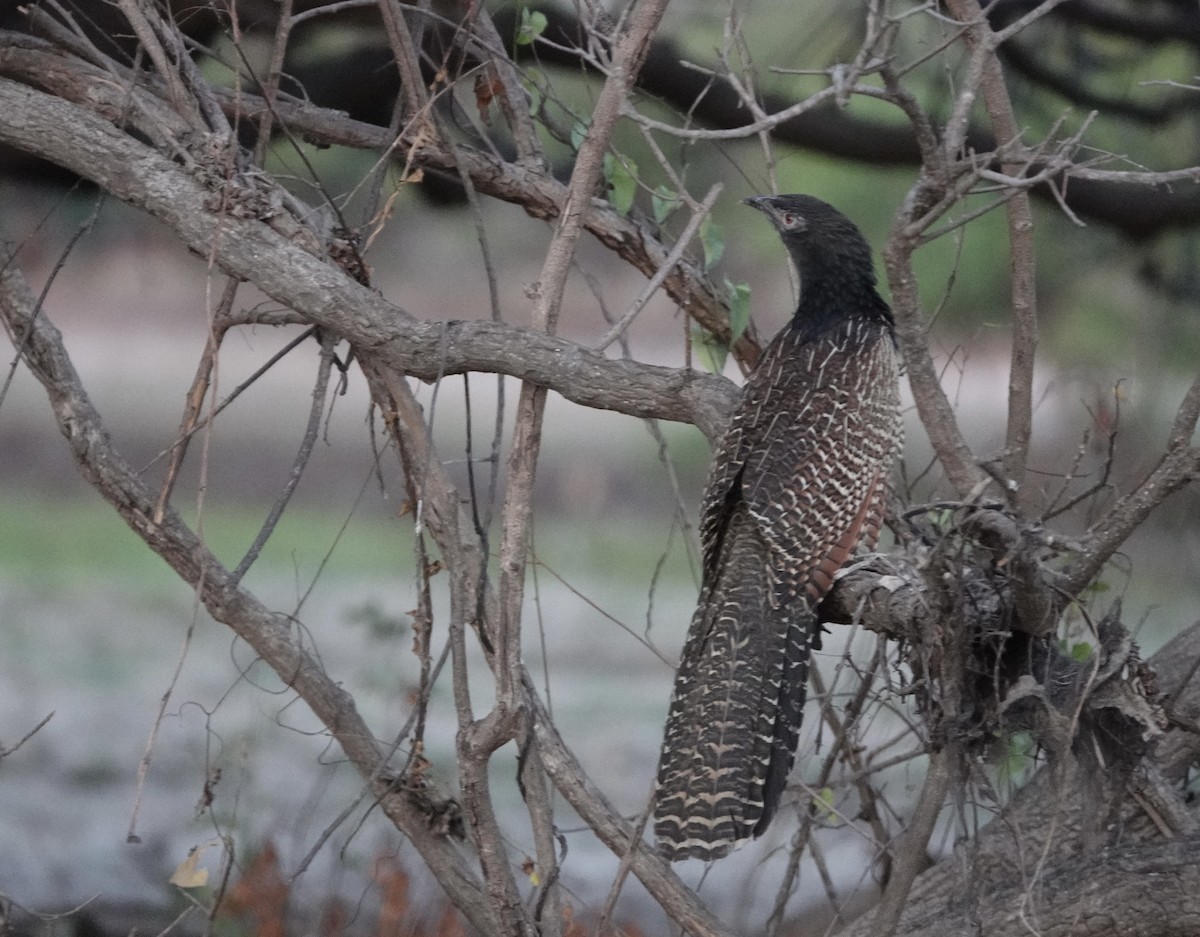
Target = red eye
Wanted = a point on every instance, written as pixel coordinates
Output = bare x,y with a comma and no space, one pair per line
788,219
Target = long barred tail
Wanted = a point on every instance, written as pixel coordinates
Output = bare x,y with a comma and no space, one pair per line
735,717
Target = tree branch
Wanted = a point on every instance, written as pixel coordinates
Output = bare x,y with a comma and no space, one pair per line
37,64
1147,889
978,35
263,253
272,635
453,530
1179,466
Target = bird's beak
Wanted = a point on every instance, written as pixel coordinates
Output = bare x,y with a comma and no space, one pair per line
766,205
761,202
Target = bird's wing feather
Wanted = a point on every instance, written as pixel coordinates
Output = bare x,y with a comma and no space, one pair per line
814,472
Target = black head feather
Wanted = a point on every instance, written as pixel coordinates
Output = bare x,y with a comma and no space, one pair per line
833,259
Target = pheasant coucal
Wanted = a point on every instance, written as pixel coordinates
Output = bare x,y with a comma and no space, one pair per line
798,482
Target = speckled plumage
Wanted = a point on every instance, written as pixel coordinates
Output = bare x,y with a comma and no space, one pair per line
797,484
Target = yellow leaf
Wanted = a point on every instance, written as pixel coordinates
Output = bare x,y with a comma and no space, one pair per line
189,874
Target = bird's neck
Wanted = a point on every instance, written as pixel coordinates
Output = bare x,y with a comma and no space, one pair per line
827,303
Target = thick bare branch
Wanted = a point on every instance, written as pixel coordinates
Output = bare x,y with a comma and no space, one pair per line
910,854
37,64
262,253
1136,890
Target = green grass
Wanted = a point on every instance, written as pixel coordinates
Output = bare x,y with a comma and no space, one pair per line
54,538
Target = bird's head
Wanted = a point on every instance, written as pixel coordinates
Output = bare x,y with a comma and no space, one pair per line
825,245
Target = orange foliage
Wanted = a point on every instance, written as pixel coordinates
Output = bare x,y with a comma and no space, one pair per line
260,894
450,924
334,919
393,899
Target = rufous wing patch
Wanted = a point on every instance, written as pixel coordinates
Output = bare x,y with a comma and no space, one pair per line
864,528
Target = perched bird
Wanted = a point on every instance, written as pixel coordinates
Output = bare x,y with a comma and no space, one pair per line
798,482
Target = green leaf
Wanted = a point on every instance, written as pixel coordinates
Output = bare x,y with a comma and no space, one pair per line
823,801
739,309
1013,756
1081,652
711,349
664,201
578,132
621,176
533,24
712,238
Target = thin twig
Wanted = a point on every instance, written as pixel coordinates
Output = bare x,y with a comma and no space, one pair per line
909,850
979,36
194,401
412,86
237,391
672,259
270,88
182,101
6,751
320,389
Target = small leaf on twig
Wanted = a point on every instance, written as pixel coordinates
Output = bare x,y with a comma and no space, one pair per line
823,802
578,131
664,201
1082,652
189,874
739,309
533,24
712,238
713,351
621,176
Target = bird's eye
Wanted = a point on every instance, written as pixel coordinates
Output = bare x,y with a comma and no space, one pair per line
788,219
